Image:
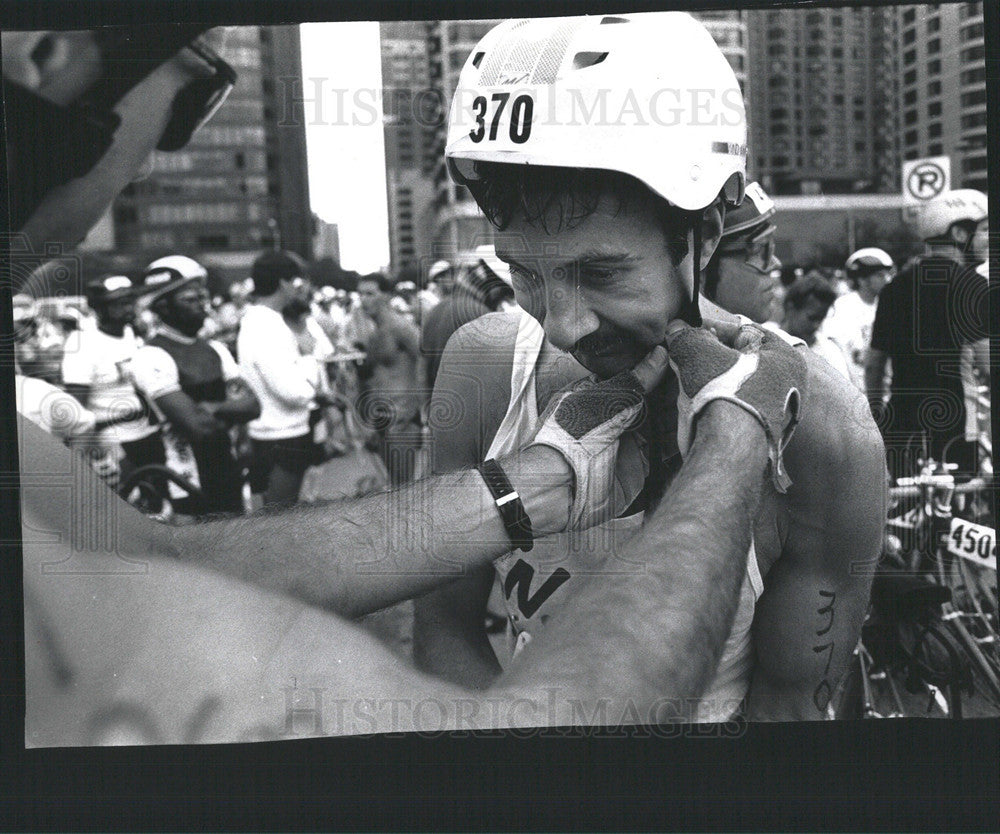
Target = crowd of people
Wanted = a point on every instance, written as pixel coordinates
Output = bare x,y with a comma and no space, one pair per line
657,456
238,397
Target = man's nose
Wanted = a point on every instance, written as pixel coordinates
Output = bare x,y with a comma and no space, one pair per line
567,317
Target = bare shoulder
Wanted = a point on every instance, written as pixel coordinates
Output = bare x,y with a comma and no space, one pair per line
472,390
836,458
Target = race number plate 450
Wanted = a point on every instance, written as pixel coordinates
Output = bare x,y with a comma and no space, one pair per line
973,542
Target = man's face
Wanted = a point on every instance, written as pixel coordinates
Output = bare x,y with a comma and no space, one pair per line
981,240
370,296
749,280
117,312
603,290
806,320
876,281
186,308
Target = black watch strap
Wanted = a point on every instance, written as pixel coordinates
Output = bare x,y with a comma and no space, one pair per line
509,505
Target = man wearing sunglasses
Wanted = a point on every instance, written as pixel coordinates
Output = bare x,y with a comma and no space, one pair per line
743,276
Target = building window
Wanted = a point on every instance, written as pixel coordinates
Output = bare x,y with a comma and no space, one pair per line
970,10
934,88
910,137
934,67
859,147
910,97
910,56
974,53
973,98
972,32
837,52
977,163
974,120
910,77
934,130
779,161
933,25
777,49
909,36
974,76
910,117
934,108
933,46
935,149
909,16
776,32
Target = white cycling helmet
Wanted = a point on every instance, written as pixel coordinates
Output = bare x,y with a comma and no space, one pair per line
165,275
650,95
868,260
935,218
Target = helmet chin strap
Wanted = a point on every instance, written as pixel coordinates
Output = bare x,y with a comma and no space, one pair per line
692,313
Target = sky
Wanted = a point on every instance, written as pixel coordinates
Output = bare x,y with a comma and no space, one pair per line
341,71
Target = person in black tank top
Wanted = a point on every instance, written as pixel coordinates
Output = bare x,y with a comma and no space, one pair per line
193,386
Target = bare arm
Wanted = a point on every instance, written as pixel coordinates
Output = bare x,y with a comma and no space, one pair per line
240,405
809,618
875,366
190,419
354,557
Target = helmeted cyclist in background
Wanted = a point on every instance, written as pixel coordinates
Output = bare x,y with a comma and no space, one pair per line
851,317
193,387
96,369
743,276
933,308
607,151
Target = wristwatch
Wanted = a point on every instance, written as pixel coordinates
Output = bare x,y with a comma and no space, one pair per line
509,505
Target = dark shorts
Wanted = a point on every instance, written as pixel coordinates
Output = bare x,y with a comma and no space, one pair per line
293,454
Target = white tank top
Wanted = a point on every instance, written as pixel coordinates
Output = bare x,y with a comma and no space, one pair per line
534,585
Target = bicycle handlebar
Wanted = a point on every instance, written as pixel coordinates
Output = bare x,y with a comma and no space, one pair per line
914,487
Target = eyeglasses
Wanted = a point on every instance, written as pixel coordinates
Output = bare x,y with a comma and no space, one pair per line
198,101
757,251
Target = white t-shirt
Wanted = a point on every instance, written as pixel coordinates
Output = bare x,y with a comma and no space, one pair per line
850,325
284,381
833,353
102,362
51,408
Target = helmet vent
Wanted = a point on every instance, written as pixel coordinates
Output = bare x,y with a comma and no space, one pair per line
478,59
525,57
613,20
588,59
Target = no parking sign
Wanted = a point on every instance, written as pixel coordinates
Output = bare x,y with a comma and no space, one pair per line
925,179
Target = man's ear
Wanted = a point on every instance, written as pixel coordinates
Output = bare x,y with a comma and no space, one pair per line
712,219
959,234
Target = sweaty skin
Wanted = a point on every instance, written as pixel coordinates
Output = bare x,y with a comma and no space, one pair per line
817,543
127,645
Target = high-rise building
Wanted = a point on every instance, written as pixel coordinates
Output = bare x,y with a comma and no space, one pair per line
241,182
822,114
943,87
460,225
406,93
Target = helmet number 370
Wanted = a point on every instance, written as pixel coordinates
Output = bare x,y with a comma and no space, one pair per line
520,117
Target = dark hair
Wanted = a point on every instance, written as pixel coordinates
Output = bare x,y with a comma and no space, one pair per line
273,267
809,286
504,190
385,284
